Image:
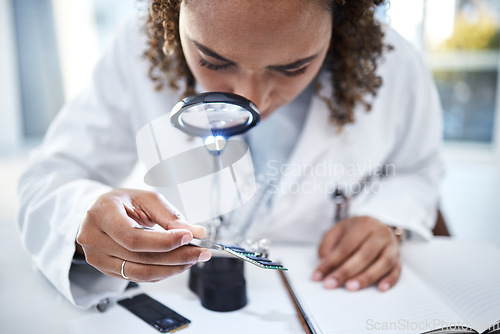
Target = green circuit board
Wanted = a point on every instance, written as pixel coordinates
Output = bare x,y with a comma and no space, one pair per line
248,256
253,258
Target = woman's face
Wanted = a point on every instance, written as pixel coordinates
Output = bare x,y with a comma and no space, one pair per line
267,51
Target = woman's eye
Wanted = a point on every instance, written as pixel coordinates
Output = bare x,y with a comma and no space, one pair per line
294,73
213,67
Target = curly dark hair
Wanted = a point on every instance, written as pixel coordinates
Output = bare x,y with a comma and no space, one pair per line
355,48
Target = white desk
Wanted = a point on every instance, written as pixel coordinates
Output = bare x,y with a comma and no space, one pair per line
29,304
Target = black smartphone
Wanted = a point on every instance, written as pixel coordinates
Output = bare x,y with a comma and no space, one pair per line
154,313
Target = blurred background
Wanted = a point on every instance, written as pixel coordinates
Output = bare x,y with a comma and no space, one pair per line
48,49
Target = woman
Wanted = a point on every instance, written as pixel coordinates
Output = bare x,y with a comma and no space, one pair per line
352,94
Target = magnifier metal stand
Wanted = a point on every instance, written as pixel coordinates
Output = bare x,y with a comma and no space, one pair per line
220,282
213,231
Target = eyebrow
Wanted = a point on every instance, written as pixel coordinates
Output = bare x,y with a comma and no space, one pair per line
210,53
295,65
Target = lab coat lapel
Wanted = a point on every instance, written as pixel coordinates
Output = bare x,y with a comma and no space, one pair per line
314,140
313,143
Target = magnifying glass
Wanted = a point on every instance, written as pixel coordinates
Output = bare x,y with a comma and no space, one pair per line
215,116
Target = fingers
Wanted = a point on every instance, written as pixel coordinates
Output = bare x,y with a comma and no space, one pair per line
387,262
116,212
331,238
138,272
146,266
179,256
197,231
119,227
347,246
390,280
365,252
355,264
151,241
153,207
108,236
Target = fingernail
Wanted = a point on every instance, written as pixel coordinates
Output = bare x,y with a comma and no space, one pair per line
352,285
331,283
186,239
204,256
385,286
201,231
317,276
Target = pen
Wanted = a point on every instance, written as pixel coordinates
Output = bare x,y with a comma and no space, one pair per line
342,201
341,204
304,319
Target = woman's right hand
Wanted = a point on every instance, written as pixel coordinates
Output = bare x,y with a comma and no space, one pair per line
108,236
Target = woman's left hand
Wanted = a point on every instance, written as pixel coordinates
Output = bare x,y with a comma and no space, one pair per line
358,252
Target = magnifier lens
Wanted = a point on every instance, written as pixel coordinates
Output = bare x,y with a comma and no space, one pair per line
215,116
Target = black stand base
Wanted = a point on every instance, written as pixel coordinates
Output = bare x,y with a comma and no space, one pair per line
219,283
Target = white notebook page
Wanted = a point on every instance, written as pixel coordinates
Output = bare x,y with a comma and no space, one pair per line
410,307
465,274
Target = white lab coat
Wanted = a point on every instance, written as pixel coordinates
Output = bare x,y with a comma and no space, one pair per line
90,148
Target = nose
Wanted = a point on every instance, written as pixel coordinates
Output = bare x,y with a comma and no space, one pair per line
254,89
